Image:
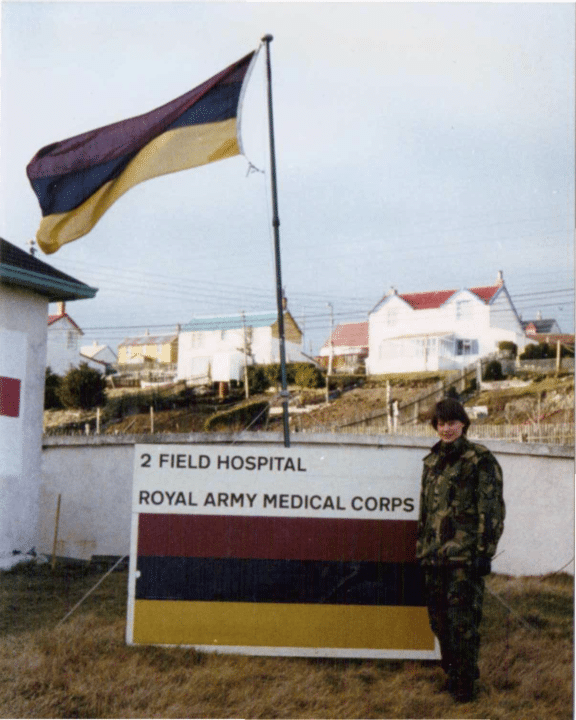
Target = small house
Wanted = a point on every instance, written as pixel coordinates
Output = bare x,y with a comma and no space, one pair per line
64,337
27,286
217,348
347,346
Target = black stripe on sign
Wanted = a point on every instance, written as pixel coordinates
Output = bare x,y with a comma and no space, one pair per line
282,581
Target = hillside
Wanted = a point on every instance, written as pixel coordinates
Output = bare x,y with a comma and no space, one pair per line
546,398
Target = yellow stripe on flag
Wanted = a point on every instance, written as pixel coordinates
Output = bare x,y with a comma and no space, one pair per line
172,622
180,149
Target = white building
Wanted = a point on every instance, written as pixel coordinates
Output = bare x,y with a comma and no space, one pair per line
217,348
440,329
64,336
98,357
348,347
27,285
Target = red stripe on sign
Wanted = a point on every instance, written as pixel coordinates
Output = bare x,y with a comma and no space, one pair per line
9,397
275,538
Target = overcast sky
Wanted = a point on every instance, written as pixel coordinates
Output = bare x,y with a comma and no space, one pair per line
421,146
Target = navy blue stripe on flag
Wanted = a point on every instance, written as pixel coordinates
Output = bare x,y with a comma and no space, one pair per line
279,581
62,193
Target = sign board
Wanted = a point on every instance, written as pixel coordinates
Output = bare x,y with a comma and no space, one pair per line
266,550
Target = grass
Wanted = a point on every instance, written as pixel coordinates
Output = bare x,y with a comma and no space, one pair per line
82,668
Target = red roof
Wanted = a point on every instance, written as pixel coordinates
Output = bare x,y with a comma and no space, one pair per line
564,338
436,298
350,335
54,318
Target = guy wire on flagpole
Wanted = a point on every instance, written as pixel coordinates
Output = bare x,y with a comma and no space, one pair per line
276,224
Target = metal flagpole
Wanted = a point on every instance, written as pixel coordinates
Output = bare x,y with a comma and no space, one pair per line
276,224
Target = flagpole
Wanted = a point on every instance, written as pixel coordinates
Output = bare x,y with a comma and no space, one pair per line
276,224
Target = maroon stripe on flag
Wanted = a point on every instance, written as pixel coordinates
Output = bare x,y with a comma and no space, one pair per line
126,136
276,538
9,397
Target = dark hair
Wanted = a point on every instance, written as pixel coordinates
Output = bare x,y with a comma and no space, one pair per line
450,409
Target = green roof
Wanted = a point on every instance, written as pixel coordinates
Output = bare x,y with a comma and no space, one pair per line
20,269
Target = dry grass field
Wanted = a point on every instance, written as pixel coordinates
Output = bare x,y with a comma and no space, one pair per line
83,669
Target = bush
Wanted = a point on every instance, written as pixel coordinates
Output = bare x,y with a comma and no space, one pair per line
258,380
82,387
251,415
493,371
308,376
508,349
52,383
536,352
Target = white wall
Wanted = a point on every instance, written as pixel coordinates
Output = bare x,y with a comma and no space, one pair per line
60,357
23,319
94,476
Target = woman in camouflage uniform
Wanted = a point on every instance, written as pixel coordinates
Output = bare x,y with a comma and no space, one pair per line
461,520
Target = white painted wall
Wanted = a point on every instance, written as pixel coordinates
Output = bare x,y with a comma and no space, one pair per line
63,350
94,476
23,319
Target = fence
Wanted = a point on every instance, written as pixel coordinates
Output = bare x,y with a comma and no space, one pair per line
553,434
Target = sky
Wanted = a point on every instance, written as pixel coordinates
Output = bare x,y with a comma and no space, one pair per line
421,146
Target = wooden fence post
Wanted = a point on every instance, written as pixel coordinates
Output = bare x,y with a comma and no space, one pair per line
56,523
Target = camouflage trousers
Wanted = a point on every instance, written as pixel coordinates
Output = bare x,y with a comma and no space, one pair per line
454,598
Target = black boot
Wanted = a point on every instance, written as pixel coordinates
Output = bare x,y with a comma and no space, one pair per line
462,689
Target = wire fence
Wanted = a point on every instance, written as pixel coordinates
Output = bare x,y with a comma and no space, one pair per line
553,434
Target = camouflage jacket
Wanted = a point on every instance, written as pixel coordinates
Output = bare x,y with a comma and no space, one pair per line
461,504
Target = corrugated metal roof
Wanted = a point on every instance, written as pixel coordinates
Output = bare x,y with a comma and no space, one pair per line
53,318
231,322
350,335
437,298
149,340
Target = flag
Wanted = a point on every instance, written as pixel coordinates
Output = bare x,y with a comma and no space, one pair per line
78,179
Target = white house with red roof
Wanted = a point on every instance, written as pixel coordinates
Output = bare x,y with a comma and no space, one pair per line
440,329
64,335
348,346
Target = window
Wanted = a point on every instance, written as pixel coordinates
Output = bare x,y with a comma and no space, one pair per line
463,310
392,316
466,347
196,339
71,340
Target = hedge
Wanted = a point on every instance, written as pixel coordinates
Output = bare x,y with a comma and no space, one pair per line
250,415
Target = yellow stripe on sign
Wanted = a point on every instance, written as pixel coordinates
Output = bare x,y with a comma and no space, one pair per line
175,150
175,622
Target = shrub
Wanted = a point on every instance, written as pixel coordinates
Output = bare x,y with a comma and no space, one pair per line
82,387
251,415
308,376
493,371
258,380
52,383
508,349
540,351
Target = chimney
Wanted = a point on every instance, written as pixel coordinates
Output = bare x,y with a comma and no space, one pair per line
538,315
500,278
393,290
61,308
